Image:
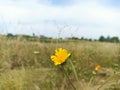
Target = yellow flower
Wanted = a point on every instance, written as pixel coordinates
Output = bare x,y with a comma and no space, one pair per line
60,56
97,67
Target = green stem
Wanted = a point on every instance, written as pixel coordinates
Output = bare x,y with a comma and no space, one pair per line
75,73
91,79
68,78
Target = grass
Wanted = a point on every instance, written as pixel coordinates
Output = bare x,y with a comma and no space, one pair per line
22,69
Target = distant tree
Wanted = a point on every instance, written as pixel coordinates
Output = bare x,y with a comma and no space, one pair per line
82,38
75,38
90,39
114,39
102,38
108,39
10,35
33,34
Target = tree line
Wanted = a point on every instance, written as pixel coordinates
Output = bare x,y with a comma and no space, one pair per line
114,39
109,39
43,38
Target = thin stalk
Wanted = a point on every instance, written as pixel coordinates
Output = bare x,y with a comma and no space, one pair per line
91,79
73,68
66,74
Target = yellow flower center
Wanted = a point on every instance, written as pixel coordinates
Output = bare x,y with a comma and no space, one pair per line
60,56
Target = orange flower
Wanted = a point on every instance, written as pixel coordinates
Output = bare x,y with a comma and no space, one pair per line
60,56
97,67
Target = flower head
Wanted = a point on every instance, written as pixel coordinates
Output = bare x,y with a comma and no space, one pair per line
60,56
97,67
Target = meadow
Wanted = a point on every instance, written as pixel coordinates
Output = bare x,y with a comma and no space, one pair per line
26,65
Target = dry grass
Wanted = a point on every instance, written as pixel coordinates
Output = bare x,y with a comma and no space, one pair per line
22,69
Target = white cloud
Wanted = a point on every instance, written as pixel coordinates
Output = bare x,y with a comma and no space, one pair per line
92,17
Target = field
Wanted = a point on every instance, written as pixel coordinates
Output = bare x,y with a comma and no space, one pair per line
26,65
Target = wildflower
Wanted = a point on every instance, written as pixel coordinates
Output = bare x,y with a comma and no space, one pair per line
60,56
97,67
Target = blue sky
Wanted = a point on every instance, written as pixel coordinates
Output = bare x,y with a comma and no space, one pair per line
88,18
